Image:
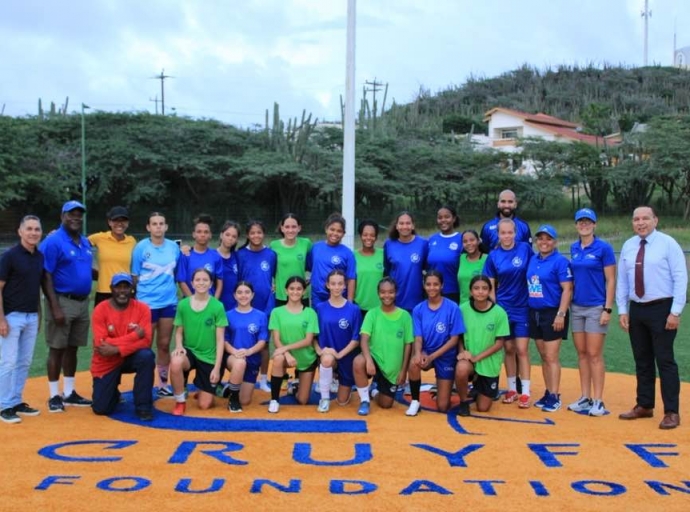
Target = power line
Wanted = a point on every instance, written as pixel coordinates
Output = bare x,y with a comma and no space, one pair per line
162,78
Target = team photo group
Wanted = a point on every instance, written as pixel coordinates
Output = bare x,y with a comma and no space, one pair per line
242,316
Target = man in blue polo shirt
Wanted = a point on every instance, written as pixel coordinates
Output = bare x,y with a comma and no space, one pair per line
21,268
507,204
66,284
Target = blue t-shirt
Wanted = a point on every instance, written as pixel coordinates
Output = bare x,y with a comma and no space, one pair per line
509,269
436,326
258,268
69,262
489,234
246,329
321,260
444,256
587,264
210,260
544,278
155,266
230,272
338,326
404,262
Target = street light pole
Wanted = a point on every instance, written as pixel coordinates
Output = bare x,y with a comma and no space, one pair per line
83,164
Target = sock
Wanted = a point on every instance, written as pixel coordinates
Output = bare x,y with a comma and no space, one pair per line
276,382
512,383
415,386
180,398
263,378
363,394
234,395
54,388
68,384
233,387
525,386
162,374
325,379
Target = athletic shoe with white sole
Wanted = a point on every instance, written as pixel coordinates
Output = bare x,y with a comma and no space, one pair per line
9,416
510,397
597,408
364,409
414,408
582,404
324,405
540,403
55,404
76,400
553,403
273,406
25,409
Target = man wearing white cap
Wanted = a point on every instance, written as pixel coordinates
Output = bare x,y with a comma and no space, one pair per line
66,283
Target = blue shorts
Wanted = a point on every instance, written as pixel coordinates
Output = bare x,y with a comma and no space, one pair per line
541,325
166,312
444,366
518,321
251,371
346,376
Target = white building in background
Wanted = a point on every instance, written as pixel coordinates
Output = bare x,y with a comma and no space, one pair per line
681,58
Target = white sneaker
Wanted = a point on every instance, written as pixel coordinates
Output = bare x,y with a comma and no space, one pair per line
582,404
263,386
597,409
373,390
273,406
334,386
324,405
413,409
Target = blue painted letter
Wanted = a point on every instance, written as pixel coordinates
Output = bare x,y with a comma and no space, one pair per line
651,457
186,448
302,454
456,459
424,486
50,451
338,487
547,456
56,479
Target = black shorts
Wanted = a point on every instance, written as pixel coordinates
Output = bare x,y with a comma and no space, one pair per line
202,378
384,386
487,386
541,324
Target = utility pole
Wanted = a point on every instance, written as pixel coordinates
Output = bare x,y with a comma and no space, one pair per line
646,14
373,87
162,78
155,100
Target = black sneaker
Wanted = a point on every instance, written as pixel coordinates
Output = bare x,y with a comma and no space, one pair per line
234,404
145,415
25,409
55,404
76,400
464,409
9,416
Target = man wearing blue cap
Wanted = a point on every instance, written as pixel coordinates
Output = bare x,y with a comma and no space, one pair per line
66,284
122,344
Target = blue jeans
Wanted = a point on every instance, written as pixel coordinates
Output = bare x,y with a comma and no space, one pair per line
106,394
16,352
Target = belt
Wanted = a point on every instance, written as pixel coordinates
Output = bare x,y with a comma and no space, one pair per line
71,296
653,302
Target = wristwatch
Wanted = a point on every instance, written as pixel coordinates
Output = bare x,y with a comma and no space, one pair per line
608,310
561,314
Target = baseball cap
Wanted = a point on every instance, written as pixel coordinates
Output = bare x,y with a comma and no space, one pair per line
585,213
121,277
548,229
118,212
72,205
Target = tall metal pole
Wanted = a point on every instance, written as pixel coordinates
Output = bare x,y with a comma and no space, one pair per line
83,164
646,14
349,128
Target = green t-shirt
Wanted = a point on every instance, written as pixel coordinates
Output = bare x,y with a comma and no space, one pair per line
466,271
200,327
481,330
291,262
369,273
294,327
388,335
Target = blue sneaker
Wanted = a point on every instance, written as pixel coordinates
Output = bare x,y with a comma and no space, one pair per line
540,403
364,409
553,403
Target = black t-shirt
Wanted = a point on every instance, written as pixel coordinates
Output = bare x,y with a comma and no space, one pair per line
21,271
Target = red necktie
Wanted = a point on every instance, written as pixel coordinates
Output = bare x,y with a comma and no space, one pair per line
639,270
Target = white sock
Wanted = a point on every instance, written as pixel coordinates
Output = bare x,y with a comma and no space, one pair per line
263,378
363,394
525,387
325,379
54,387
68,384
180,398
512,383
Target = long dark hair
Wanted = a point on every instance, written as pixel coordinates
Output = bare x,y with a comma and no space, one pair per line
393,229
231,224
483,249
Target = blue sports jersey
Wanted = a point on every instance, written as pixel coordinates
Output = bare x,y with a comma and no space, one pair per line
69,263
404,262
258,268
435,327
444,256
321,260
230,272
587,264
338,326
544,278
489,234
210,260
155,266
246,329
509,269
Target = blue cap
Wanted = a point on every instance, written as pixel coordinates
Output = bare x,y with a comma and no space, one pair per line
121,277
585,213
548,229
72,205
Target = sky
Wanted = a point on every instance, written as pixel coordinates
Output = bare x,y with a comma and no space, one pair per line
231,60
